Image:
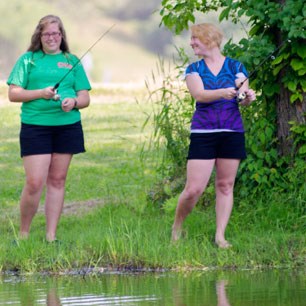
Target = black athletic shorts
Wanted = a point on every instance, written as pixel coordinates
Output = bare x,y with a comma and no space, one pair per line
38,139
217,145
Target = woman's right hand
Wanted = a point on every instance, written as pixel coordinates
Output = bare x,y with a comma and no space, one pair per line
229,93
48,93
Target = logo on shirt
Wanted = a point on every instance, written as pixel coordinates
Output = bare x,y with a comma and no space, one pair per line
64,65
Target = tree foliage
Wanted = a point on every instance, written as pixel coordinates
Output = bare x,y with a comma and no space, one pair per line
272,24
274,52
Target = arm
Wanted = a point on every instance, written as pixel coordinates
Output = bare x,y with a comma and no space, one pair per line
197,90
19,94
83,99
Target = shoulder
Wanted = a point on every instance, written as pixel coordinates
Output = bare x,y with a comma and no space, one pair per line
195,67
235,65
232,61
24,59
71,57
32,56
26,56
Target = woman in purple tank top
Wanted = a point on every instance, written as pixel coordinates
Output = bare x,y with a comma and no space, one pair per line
217,134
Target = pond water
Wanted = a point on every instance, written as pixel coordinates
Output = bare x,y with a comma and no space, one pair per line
262,288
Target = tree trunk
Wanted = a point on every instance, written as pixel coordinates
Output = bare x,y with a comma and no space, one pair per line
287,111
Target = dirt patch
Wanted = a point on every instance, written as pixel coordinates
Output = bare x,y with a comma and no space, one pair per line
77,208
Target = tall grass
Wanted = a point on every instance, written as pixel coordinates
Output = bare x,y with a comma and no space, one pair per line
170,116
108,221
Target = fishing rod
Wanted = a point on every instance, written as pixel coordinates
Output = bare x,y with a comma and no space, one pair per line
242,95
56,96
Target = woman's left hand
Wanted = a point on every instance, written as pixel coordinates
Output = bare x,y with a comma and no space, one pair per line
68,104
250,96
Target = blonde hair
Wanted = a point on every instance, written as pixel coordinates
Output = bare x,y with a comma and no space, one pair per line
43,22
208,34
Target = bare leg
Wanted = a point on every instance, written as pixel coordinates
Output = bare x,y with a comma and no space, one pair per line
55,192
226,170
198,174
36,170
221,293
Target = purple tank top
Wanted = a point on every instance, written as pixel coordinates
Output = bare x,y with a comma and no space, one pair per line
220,115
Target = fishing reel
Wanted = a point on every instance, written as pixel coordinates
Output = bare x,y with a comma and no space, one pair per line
241,96
56,96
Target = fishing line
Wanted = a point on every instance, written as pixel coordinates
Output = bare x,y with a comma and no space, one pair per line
56,96
241,96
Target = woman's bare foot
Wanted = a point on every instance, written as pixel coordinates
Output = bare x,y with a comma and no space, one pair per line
23,235
176,234
223,244
50,237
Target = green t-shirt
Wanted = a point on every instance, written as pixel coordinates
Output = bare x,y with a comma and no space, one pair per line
39,70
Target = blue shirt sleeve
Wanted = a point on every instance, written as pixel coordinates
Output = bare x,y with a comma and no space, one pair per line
193,68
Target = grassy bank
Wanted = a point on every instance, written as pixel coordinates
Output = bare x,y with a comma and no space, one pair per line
107,221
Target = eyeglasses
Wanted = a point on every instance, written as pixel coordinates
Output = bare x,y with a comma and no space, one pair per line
48,35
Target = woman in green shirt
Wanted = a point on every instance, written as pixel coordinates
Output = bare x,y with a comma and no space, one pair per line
51,130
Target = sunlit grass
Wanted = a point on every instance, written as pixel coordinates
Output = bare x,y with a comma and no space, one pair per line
108,221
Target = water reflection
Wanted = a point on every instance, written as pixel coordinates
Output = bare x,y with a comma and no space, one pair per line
52,298
212,288
221,293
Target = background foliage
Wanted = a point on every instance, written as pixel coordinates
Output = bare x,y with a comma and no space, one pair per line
274,53
126,54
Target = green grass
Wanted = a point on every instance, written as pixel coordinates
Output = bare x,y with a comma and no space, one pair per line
108,222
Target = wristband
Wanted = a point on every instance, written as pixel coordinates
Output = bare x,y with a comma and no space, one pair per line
75,103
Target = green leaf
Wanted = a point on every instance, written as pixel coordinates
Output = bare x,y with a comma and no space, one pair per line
301,72
255,29
303,84
277,69
273,153
268,159
278,59
292,86
269,132
260,154
296,96
302,150
254,147
262,138
273,170
256,177
301,51
297,64
178,7
224,14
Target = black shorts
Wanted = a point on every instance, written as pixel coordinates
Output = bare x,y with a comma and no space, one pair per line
217,145
38,139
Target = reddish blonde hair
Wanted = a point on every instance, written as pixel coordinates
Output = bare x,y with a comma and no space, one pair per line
208,34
